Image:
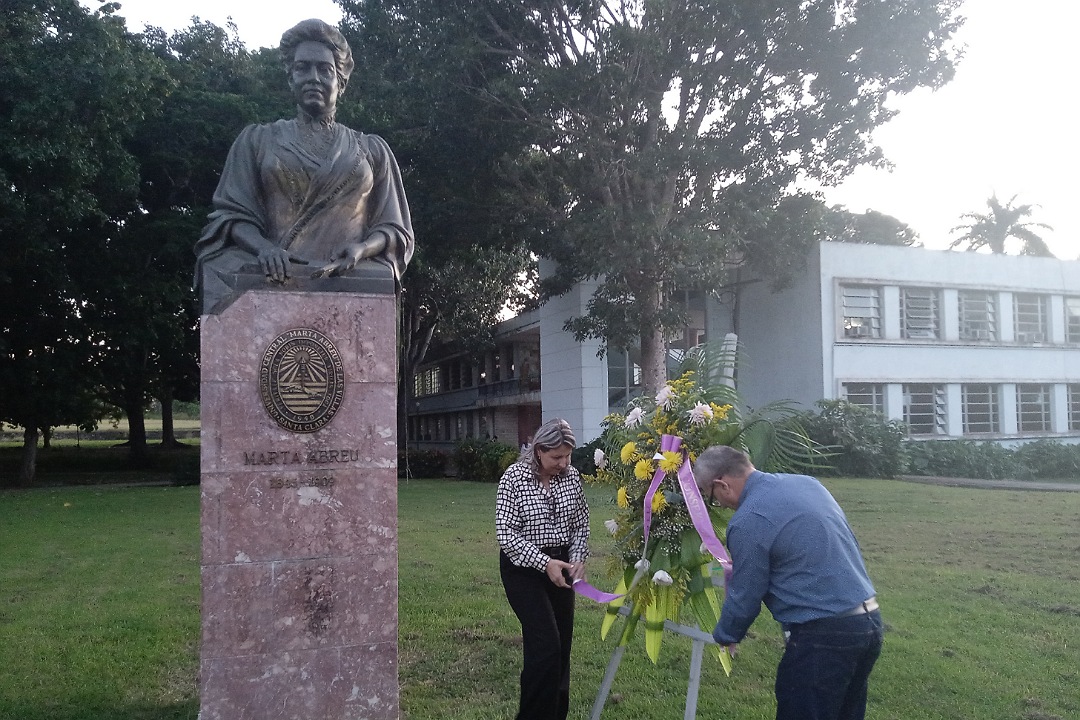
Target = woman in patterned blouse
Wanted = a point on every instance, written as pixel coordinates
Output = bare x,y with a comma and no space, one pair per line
542,524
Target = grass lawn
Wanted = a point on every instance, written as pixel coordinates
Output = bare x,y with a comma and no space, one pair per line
979,589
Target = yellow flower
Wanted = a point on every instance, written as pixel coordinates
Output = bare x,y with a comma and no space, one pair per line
622,499
672,462
627,453
658,501
720,411
643,469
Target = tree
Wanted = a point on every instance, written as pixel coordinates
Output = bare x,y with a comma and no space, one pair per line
472,228
140,304
992,230
871,228
74,86
669,133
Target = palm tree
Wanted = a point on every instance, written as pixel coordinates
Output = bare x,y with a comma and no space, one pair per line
992,229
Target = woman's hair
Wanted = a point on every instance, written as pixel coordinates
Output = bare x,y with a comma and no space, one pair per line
315,30
555,433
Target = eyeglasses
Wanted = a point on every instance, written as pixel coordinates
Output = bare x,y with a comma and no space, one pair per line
712,493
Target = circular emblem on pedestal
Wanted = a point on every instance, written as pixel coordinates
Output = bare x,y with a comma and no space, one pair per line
301,380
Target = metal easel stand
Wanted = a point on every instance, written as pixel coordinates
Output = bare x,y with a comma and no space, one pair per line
700,639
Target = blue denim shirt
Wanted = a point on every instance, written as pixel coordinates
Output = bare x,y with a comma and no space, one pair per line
791,548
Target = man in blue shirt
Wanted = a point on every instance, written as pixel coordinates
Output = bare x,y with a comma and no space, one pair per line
792,548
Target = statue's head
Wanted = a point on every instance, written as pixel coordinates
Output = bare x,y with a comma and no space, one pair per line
307,47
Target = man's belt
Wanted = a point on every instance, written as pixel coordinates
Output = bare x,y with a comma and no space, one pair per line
866,606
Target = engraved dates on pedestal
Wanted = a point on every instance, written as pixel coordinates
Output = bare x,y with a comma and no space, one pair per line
301,380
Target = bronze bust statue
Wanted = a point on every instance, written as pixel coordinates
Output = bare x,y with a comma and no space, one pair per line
306,195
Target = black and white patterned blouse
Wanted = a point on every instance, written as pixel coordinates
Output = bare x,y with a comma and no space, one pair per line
528,518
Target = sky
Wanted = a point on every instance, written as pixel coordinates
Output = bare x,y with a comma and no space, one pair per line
1001,126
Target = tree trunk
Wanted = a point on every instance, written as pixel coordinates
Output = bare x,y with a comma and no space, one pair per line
137,455
653,346
28,466
168,430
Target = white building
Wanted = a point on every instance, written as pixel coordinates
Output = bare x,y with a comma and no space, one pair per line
955,344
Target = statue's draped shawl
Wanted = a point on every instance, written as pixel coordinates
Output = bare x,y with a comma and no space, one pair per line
309,193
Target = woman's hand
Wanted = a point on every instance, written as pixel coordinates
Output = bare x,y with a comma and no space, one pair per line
347,257
554,571
274,262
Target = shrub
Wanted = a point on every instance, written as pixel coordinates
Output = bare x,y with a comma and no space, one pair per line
864,443
422,463
482,460
583,455
1036,460
961,458
1047,460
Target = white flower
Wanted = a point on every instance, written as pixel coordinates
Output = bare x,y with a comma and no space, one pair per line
599,460
700,414
666,397
662,578
633,418
642,565
612,526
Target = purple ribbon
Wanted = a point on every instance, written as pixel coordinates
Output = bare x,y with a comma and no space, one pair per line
668,443
584,589
699,516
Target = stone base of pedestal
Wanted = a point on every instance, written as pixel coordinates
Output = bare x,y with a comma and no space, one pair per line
299,514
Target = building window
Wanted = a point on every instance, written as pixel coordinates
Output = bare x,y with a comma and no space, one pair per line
978,315
624,377
427,382
924,409
1072,320
980,407
862,311
868,395
1033,408
1031,317
1074,406
919,313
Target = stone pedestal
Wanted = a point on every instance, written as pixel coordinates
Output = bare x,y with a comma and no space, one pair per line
299,512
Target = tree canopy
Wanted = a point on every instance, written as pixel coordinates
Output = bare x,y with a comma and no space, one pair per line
1001,223
418,88
670,135
73,89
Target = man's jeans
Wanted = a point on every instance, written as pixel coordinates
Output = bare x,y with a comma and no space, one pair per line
823,674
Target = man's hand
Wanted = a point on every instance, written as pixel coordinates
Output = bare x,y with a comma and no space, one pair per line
577,570
554,571
731,649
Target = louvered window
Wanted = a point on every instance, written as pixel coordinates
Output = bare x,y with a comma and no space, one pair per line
868,395
978,315
924,409
980,408
1072,319
1030,318
1033,408
919,313
862,311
